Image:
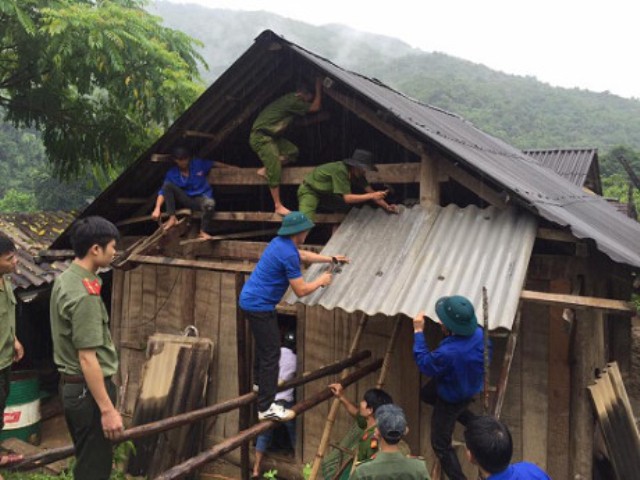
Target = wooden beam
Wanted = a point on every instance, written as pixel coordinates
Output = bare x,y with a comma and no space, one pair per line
578,302
130,201
230,236
147,218
245,114
429,185
476,186
387,173
195,133
243,351
372,118
196,264
239,250
556,235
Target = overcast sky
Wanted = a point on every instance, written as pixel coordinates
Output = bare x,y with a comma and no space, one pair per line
568,43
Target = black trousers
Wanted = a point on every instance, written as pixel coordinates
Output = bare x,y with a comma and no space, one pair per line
443,421
264,326
175,195
94,452
5,386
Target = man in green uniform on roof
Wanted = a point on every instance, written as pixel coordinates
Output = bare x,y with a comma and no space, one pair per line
83,350
330,186
10,348
266,135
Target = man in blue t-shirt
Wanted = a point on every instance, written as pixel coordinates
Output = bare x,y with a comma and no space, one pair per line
277,269
490,447
186,184
456,369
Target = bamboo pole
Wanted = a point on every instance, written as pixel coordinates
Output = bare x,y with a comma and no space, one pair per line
55,454
395,333
335,405
485,338
231,443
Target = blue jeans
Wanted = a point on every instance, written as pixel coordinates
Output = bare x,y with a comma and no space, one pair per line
263,440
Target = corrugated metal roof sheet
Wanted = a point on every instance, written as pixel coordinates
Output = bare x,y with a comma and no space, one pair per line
570,163
552,196
404,263
33,232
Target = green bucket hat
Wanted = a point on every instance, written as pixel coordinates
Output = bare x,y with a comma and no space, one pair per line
457,314
294,222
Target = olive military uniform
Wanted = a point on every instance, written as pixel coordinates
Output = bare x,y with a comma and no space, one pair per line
325,185
7,340
391,466
79,320
266,140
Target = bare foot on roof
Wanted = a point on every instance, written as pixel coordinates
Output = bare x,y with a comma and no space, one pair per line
170,223
204,236
282,210
262,172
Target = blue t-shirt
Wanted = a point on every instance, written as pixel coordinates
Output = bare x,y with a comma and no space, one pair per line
196,184
279,263
521,471
457,364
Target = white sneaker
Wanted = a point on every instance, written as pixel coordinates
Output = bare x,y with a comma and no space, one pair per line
255,388
278,413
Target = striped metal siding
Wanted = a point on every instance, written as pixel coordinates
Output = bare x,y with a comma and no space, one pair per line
617,422
404,263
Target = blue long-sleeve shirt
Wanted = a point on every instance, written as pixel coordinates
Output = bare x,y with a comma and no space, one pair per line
457,364
196,184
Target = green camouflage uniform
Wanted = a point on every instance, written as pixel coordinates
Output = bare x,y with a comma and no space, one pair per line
391,466
324,187
79,321
7,340
266,140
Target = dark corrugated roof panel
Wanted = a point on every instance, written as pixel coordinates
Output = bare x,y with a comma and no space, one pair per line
552,196
404,263
570,163
32,233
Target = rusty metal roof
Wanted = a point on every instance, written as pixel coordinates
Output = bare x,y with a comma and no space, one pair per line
523,178
33,232
404,263
571,163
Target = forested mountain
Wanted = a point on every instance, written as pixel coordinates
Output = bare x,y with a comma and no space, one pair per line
522,110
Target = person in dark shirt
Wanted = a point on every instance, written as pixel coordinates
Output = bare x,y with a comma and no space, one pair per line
456,369
490,447
186,184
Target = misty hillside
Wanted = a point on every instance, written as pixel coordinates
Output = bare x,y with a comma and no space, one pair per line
522,110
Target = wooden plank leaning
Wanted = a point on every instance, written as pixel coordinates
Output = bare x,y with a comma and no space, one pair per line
335,405
54,454
231,443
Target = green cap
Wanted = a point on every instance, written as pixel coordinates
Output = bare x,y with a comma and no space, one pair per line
294,222
457,314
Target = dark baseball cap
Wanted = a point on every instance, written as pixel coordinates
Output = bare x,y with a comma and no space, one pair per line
391,422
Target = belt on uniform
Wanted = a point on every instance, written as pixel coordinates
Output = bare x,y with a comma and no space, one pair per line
76,378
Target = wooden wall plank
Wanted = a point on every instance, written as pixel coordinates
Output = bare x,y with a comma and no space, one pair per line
559,381
535,378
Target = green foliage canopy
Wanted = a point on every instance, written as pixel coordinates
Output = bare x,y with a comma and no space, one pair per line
99,79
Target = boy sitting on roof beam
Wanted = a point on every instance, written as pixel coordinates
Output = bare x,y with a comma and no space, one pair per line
266,135
330,185
186,184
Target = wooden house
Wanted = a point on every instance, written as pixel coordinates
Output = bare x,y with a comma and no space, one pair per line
557,262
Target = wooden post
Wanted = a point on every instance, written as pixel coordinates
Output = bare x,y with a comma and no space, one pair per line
244,377
485,338
386,364
510,350
231,443
335,405
588,355
429,186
